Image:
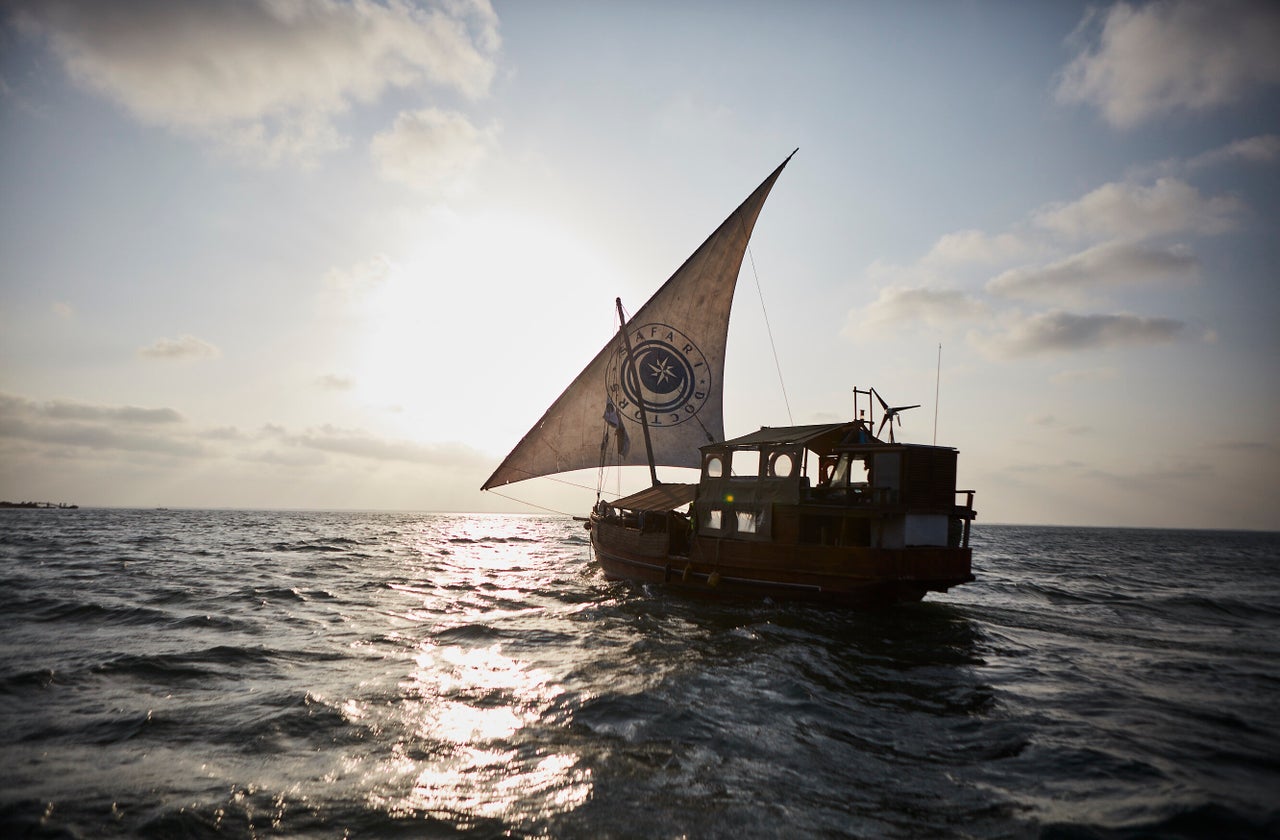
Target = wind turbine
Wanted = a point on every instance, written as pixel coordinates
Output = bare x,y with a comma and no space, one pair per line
890,414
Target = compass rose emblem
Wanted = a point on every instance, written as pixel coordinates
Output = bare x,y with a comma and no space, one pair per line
670,376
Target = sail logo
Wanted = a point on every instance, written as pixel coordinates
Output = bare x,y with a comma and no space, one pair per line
670,377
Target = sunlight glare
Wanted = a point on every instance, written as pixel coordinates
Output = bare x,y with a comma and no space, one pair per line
475,296
462,712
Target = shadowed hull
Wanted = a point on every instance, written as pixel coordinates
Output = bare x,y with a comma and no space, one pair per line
851,576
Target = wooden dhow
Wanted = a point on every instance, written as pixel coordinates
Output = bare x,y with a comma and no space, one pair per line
828,513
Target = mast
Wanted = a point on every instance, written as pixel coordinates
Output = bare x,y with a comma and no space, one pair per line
644,417
937,391
687,322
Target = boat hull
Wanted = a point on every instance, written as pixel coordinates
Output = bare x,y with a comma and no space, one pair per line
854,576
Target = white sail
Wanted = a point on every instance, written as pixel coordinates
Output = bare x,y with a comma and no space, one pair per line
677,344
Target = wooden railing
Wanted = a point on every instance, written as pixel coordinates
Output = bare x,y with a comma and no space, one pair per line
968,515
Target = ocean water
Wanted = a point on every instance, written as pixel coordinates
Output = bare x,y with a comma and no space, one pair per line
215,673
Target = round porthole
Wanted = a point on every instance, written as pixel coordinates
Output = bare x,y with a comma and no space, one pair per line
781,465
715,467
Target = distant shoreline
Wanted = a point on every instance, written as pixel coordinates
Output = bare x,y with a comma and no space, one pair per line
41,505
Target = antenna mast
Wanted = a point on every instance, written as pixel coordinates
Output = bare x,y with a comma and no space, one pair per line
937,389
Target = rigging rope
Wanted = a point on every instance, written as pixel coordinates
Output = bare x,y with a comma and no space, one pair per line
557,481
769,330
572,484
530,504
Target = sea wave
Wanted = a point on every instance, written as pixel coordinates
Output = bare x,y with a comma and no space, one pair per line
312,674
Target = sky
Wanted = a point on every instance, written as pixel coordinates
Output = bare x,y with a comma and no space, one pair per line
342,255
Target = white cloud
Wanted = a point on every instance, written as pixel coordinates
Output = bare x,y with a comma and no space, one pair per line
975,246
58,426
223,433
1058,331
1049,421
936,307
1136,63
1120,210
1259,150
334,382
1109,264
290,458
1127,227
68,410
430,149
265,76
951,256
97,427
1264,148
356,443
301,138
182,347
360,277
1246,446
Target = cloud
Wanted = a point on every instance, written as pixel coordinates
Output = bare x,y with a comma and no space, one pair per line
97,427
63,426
1101,374
223,433
429,149
360,277
1109,264
182,347
1259,150
975,246
1048,421
1136,63
1058,331
1264,148
66,410
356,443
1159,478
1127,227
292,458
334,382
265,77
912,305
952,255
1246,446
1120,235
278,446
1120,210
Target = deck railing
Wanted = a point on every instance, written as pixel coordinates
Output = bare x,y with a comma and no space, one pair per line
968,515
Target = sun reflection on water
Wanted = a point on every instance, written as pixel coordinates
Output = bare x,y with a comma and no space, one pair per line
474,733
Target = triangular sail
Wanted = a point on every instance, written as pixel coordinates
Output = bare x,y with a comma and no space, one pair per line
677,342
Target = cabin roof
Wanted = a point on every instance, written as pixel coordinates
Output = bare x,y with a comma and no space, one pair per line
659,497
822,438
782,435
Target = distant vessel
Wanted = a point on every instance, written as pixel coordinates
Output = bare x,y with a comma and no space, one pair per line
826,512
39,505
